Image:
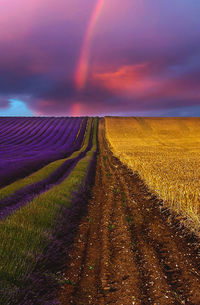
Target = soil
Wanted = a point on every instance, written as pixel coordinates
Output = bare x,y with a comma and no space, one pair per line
126,251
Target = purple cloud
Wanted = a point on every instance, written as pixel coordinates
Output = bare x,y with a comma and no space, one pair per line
144,56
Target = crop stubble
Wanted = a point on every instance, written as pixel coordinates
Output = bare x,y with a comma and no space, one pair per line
125,251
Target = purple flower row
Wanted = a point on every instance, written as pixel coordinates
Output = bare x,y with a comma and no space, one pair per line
43,284
26,194
25,159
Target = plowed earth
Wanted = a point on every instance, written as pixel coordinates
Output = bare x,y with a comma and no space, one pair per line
125,251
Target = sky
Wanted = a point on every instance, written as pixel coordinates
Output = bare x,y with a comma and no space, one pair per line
99,57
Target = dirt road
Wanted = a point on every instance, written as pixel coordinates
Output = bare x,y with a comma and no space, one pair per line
125,251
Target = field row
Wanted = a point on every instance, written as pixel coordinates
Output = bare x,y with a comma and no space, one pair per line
35,212
87,211
27,144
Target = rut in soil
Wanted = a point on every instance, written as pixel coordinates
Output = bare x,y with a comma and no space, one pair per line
125,251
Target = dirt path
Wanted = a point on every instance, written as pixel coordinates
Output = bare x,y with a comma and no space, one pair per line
125,251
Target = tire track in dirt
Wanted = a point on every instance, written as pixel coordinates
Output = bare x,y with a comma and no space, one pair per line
155,287
125,251
102,265
171,250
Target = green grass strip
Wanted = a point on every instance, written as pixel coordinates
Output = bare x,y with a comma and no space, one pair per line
42,173
25,234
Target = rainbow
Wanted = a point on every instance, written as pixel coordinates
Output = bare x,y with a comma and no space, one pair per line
82,67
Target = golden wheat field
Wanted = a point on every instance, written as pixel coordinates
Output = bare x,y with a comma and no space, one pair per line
166,154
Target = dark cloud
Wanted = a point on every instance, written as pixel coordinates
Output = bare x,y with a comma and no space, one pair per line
4,103
143,56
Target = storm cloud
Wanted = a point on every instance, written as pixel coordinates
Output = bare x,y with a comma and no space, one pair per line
143,57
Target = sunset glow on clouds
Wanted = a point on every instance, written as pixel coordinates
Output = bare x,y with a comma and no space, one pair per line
127,80
104,57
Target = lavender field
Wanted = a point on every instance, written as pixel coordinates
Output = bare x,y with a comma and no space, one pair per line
27,144
46,171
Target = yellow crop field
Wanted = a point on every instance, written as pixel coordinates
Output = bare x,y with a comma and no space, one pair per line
166,154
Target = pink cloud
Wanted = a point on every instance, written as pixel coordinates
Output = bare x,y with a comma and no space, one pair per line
132,80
